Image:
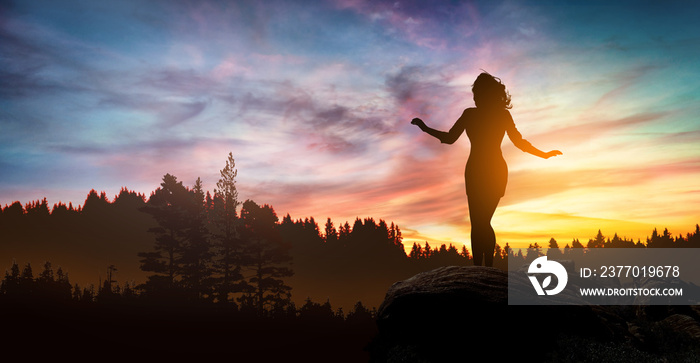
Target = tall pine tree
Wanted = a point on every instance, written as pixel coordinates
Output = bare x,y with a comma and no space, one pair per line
175,209
224,226
196,256
267,258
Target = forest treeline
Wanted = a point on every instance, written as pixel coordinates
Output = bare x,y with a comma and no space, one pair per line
45,309
20,286
201,247
198,246
576,248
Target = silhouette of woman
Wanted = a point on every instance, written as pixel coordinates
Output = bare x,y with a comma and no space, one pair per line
486,173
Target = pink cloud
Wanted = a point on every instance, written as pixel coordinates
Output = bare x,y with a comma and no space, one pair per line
229,67
422,23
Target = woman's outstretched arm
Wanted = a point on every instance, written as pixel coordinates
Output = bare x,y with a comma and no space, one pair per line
525,145
444,137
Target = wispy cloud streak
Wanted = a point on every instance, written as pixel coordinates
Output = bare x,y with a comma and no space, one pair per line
314,101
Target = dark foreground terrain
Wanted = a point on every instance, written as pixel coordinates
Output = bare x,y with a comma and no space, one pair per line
177,333
450,314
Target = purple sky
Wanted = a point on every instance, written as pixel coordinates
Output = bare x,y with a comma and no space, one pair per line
314,101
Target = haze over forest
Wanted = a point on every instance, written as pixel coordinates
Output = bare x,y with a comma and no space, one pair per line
181,232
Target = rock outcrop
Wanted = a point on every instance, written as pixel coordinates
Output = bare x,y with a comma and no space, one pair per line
461,313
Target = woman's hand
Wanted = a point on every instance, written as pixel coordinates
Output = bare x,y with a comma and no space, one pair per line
418,122
552,153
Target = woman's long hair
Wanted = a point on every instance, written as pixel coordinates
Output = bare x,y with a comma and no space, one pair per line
490,92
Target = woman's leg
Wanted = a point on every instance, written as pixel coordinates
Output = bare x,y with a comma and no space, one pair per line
481,211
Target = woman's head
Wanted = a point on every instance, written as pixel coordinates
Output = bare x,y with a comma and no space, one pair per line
490,92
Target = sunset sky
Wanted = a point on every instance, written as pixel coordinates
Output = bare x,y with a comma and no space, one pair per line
314,100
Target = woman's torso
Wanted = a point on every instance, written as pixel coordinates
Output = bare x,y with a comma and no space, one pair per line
486,172
486,129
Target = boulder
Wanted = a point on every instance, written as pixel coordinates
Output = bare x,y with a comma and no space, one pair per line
458,313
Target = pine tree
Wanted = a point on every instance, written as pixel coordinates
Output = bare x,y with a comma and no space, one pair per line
196,252
416,251
224,228
46,276
465,253
172,206
27,284
395,236
331,234
554,251
598,242
37,210
360,314
497,254
344,234
660,241
533,251
427,251
46,283
95,205
63,286
107,292
266,258
88,295
11,284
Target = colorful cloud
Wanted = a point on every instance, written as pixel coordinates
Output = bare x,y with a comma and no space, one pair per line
314,101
